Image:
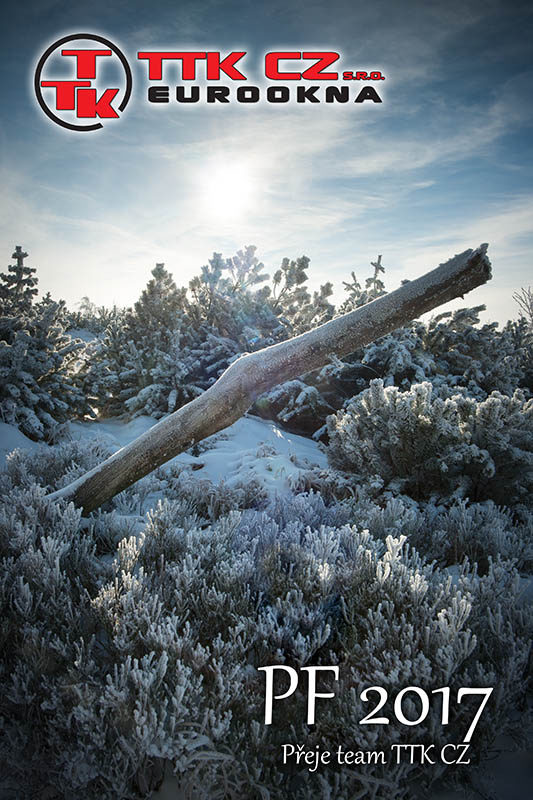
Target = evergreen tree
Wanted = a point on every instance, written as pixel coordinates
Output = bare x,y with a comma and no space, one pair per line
357,297
110,370
39,363
18,286
136,361
292,302
156,314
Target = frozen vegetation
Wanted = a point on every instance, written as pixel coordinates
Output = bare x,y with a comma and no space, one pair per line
396,544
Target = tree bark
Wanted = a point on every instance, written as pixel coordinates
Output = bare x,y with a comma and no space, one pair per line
254,373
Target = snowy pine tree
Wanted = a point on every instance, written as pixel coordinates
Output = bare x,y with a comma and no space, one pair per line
292,302
357,297
18,285
39,362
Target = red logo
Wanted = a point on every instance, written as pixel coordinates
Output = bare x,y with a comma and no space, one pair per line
86,82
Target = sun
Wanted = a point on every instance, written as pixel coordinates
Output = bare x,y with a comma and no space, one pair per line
227,190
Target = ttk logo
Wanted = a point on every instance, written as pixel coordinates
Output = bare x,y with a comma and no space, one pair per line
89,82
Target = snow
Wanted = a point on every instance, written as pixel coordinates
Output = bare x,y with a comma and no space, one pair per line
250,449
12,439
115,432
81,333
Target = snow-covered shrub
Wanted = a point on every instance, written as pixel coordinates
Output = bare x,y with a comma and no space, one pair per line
48,576
422,445
445,533
211,500
454,353
357,297
477,531
111,671
52,467
296,404
290,300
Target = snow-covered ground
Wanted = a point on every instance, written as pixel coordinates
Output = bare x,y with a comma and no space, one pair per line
12,439
251,448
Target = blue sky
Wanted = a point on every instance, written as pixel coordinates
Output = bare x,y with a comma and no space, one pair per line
443,164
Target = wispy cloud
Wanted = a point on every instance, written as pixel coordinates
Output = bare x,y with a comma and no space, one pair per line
340,183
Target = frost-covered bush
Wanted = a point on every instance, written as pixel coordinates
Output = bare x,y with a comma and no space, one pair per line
52,467
446,533
455,353
477,531
111,671
295,404
422,445
48,576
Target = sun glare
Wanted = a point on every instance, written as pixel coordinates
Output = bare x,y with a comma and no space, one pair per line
227,190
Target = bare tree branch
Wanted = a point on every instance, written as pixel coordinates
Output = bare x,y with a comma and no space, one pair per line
255,373
524,298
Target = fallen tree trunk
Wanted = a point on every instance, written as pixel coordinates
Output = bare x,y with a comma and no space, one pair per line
254,373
